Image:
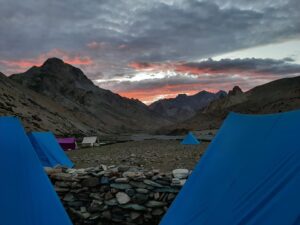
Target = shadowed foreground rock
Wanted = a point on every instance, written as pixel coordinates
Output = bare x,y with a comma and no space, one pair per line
116,195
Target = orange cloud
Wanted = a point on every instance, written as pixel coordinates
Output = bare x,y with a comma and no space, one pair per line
167,91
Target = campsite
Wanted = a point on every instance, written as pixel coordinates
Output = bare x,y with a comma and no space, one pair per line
148,176
161,112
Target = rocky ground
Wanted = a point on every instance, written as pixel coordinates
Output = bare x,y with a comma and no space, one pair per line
164,155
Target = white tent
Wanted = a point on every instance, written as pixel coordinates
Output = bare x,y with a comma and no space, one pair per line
89,141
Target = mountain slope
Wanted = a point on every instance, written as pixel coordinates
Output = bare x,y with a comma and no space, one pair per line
183,107
68,86
277,96
39,112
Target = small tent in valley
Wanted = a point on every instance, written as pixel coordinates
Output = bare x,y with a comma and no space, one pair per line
89,141
67,143
48,150
250,174
190,139
27,195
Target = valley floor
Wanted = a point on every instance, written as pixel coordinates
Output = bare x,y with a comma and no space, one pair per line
164,155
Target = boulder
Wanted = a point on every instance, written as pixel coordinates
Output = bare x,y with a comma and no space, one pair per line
122,198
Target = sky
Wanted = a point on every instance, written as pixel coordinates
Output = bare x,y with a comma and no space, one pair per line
156,49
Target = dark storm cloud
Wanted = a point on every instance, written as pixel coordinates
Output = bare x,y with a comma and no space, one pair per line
136,30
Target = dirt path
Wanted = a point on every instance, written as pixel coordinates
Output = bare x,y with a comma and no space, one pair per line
165,155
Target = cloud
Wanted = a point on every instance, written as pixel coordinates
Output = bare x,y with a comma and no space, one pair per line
192,77
118,43
234,66
135,30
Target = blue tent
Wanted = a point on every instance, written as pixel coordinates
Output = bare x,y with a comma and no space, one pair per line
48,150
190,139
27,195
250,174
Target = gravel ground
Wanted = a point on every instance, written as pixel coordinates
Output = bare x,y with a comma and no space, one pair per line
165,155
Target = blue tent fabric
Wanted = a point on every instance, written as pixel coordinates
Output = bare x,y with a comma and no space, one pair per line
190,139
27,195
48,150
250,174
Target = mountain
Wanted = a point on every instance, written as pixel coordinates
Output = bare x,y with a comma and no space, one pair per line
71,89
277,96
183,107
39,112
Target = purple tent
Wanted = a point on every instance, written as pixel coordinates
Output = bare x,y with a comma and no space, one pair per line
67,143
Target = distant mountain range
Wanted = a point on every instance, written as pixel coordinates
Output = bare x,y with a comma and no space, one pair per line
277,96
59,97
183,106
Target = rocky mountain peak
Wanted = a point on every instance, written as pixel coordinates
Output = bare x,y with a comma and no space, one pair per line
53,62
235,91
221,93
181,96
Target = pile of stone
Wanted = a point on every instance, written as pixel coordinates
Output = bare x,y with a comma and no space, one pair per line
116,195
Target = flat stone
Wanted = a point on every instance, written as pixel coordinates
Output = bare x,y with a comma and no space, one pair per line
111,202
122,180
142,185
95,216
75,204
63,184
134,207
180,173
61,190
108,196
163,182
104,180
123,168
131,174
130,192
85,215
152,183
96,196
158,212
140,198
134,215
122,198
142,191
156,195
175,181
106,215
167,190
50,170
155,204
62,176
120,186
171,197
69,197
90,182
104,167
